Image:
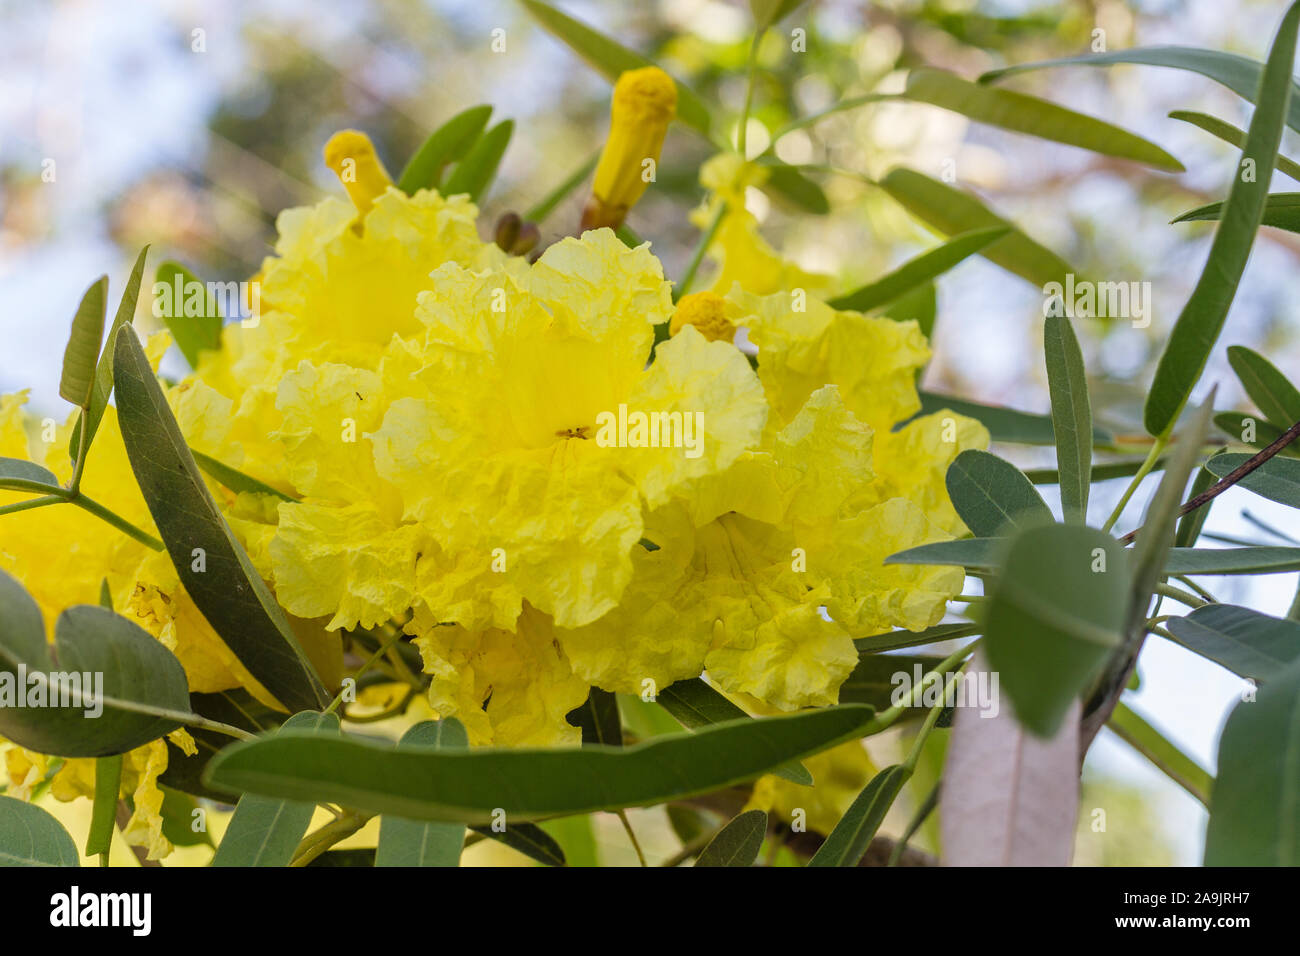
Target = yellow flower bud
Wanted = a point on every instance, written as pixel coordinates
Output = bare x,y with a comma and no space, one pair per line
707,311
351,155
645,102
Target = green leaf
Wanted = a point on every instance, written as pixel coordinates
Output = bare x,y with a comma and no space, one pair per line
1105,471
1190,524
873,679
448,143
1246,642
135,675
266,832
598,717
19,475
1055,613
78,378
1229,561
1237,73
894,640
1255,802
1281,211
238,708
609,58
229,592
1141,736
1071,415
193,333
30,836
526,784
768,12
1231,135
992,496
920,305
1029,114
108,781
1004,424
577,837
1241,424
530,840
789,183
178,819
413,842
738,843
1202,318
1277,479
1268,388
848,842
952,212
104,369
236,480
475,172
918,271
695,704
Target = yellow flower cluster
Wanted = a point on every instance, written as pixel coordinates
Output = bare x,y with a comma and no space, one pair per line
480,451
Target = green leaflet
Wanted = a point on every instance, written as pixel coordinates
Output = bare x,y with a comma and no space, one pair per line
1202,318
525,784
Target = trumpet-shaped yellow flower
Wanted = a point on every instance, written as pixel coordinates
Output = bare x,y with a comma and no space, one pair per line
508,447
645,102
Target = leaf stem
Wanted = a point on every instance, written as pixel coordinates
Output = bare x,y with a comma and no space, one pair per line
382,650
1153,454
697,257
887,718
1181,596
118,522
631,835
82,452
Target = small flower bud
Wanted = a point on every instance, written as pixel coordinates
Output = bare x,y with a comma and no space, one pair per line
352,157
707,311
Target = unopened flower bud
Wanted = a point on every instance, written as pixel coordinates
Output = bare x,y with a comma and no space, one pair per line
351,155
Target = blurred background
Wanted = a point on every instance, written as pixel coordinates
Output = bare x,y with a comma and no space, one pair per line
190,125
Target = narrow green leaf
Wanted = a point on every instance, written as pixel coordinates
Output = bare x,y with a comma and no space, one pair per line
30,836
1190,524
179,819
103,816
117,672
918,271
848,842
78,378
738,843
791,184
1238,73
1281,211
448,143
224,585
952,212
413,842
264,831
599,719
1146,740
1250,429
526,784
1105,471
1278,479
195,325
1255,803
920,305
547,204
609,58
1202,318
1246,642
1023,113
873,680
530,840
236,480
1268,388
1004,424
895,640
1232,136
474,173
695,704
1055,613
1071,415
1231,561
104,369
19,475
992,496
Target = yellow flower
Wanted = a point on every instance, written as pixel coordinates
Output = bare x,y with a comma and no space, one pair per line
839,774
645,102
507,448
708,312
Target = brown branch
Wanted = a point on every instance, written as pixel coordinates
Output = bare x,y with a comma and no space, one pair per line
1232,477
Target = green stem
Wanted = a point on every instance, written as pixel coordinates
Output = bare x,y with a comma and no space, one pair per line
1157,447
751,69
383,649
631,835
120,523
887,718
82,453
536,214
336,831
1179,595
31,503
697,257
